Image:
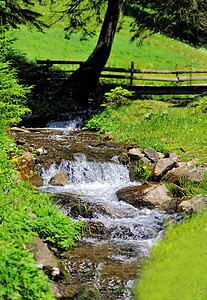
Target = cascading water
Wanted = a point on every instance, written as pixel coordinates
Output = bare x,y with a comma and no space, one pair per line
117,235
97,183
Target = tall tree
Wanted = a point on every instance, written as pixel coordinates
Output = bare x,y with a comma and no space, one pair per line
81,82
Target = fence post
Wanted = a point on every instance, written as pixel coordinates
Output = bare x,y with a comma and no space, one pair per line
132,73
176,67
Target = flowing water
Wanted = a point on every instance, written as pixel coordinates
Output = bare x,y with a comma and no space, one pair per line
117,236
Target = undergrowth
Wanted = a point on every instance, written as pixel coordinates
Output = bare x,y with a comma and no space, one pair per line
24,212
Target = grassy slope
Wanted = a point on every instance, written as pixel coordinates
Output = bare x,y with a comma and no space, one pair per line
157,52
176,269
181,127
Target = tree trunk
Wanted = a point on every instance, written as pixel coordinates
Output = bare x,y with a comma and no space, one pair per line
84,80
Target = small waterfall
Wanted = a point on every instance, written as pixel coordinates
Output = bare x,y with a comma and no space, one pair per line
66,125
81,171
97,183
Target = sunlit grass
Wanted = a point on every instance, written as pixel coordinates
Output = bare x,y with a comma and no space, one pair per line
157,52
180,127
176,267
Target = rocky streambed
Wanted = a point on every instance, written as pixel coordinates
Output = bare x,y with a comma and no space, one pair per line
92,180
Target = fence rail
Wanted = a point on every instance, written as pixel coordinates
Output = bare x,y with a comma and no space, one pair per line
177,77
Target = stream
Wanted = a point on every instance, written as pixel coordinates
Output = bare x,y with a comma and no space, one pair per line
117,236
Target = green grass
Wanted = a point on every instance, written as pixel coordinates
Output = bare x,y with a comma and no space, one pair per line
176,268
24,212
157,52
144,124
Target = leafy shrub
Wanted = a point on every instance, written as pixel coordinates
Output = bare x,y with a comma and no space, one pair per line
117,97
12,94
24,212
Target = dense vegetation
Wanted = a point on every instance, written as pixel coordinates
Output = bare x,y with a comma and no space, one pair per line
175,269
24,211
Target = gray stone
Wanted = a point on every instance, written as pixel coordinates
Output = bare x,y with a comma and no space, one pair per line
147,161
172,155
135,154
151,154
148,195
163,166
193,205
186,171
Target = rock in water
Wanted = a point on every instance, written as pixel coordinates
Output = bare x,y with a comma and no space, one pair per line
59,179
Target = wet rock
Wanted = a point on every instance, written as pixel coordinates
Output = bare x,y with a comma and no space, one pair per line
135,154
59,179
148,195
81,210
193,205
186,170
41,151
124,159
162,167
152,155
20,129
94,229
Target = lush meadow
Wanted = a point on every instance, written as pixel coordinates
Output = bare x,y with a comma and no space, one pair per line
156,52
175,269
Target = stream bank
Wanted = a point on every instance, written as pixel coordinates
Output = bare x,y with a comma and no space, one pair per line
117,235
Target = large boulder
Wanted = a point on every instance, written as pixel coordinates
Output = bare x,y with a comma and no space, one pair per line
25,168
25,163
193,205
148,195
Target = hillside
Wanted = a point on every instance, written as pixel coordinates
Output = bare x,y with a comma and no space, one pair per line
156,52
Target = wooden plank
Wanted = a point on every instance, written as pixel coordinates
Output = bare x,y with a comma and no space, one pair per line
114,76
60,62
159,90
168,79
156,78
192,78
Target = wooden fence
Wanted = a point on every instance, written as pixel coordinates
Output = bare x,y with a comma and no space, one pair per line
181,81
